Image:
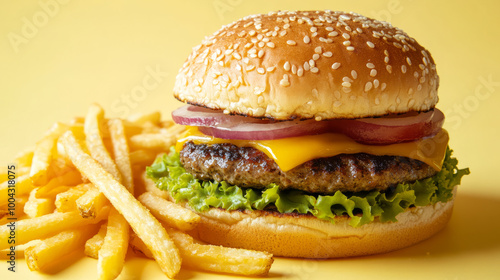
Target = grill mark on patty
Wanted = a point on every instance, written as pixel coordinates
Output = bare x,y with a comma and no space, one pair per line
249,167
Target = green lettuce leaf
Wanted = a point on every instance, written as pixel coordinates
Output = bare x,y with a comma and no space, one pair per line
362,207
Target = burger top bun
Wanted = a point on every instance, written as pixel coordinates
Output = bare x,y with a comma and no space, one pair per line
309,64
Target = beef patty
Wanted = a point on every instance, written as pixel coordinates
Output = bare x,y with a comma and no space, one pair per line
249,167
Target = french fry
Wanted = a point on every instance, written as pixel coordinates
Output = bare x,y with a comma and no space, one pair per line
142,157
150,186
45,149
121,152
170,213
23,186
94,139
138,246
114,248
221,259
143,223
91,203
94,244
52,249
19,250
141,119
213,258
71,178
17,211
152,141
66,201
24,158
45,226
36,207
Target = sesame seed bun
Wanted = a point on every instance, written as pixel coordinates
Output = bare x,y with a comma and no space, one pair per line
308,237
316,64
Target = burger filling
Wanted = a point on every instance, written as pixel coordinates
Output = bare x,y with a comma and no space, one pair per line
362,207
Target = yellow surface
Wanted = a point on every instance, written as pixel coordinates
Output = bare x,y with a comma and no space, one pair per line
56,60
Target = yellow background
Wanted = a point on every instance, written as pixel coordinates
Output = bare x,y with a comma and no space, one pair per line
57,57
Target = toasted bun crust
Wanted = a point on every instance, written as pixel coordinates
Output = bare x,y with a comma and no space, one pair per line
315,64
308,237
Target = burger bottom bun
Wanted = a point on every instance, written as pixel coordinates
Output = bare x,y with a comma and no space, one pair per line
305,236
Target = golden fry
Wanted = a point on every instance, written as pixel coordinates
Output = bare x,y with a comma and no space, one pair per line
138,246
121,152
36,207
24,158
114,248
23,186
144,224
170,213
45,226
66,201
143,157
152,141
94,244
91,203
51,250
44,151
71,178
94,123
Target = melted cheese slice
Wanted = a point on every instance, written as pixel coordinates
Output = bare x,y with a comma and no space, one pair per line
291,152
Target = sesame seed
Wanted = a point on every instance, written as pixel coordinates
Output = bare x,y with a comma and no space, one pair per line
346,89
419,87
384,85
410,91
333,34
282,33
261,44
248,45
317,50
415,74
251,33
376,83
359,30
336,65
294,69
284,82
312,63
329,28
314,29
408,61
291,42
373,73
368,86
354,74
403,69
370,65
346,43
314,70
271,69
347,79
350,48
348,28
307,39
370,44
300,71
328,54
314,34
271,45
306,66
286,66
250,68
389,68
346,36
286,26
422,80
386,59
337,103
238,67
411,102
315,56
346,84
261,70
237,56
421,66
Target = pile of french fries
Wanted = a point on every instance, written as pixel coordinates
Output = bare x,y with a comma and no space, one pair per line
83,187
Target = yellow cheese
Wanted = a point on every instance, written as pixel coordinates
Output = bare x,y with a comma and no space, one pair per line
291,152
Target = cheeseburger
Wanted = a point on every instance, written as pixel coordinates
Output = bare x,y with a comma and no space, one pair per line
311,134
